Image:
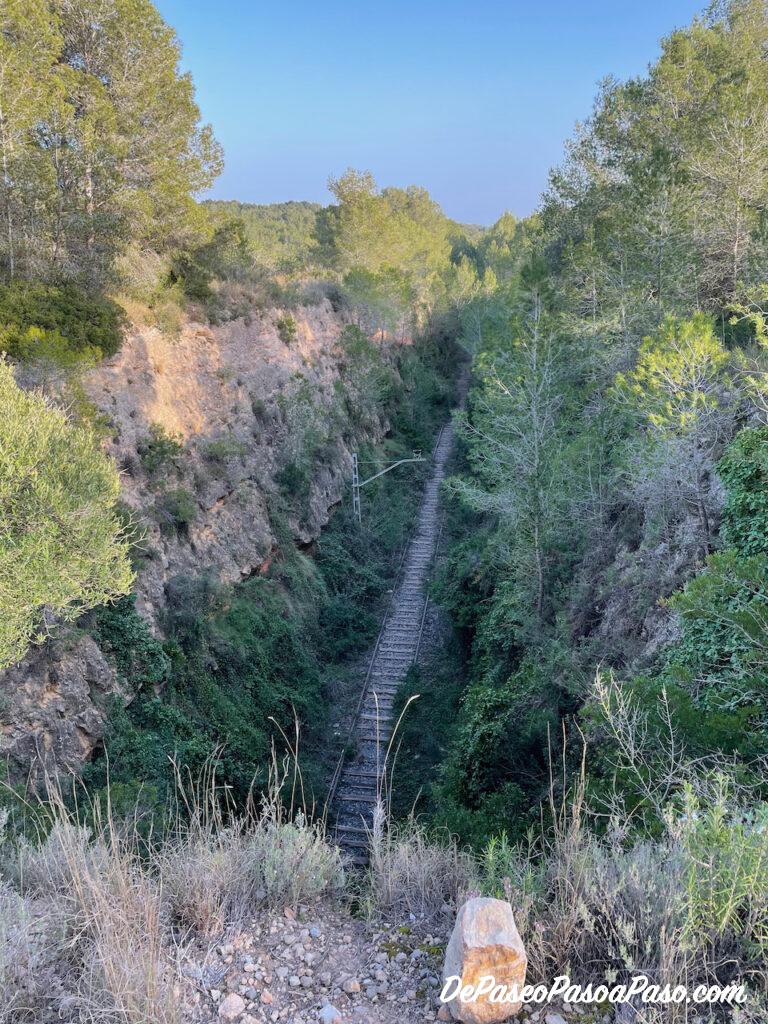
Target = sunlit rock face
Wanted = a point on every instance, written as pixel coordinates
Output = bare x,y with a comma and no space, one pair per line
244,404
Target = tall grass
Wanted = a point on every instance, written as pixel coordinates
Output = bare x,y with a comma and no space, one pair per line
112,895
218,866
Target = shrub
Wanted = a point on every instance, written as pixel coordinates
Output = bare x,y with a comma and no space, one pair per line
175,510
50,349
414,872
226,257
69,320
124,635
216,868
61,546
744,471
24,984
294,481
159,449
224,449
686,907
286,328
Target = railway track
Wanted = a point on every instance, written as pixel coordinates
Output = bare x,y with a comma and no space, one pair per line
358,782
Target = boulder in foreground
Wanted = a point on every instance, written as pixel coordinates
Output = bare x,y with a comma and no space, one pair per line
485,944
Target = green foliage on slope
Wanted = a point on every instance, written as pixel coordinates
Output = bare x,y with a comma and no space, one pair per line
616,500
61,548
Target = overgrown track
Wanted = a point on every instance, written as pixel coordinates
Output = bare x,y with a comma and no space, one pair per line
357,783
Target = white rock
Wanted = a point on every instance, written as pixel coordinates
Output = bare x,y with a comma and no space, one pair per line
485,942
232,1007
554,1018
329,1015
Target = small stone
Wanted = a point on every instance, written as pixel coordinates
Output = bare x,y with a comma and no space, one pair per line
232,1007
306,981
314,931
282,973
554,1018
351,985
267,997
294,981
443,1013
371,992
215,995
251,993
325,979
329,1015
401,958
410,994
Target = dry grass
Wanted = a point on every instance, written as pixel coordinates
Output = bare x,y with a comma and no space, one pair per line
24,967
412,873
218,866
117,924
111,911
687,907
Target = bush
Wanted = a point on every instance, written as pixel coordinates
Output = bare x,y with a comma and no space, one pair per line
175,510
61,545
125,637
415,872
217,868
686,907
226,257
159,449
744,471
224,449
68,319
24,985
286,328
294,481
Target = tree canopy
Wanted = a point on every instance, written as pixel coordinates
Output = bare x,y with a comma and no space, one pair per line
100,137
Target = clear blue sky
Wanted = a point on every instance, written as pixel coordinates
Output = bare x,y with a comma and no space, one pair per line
472,100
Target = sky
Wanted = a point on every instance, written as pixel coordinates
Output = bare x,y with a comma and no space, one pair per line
472,100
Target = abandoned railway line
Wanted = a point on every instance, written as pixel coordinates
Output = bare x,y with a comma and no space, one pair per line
359,781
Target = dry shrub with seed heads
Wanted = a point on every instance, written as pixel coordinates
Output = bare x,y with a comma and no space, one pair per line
113,913
217,866
411,872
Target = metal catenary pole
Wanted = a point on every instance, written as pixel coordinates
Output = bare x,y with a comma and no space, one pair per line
357,483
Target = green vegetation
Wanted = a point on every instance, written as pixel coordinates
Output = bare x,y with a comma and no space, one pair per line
239,662
159,449
281,235
97,150
175,510
611,510
61,545
286,328
62,320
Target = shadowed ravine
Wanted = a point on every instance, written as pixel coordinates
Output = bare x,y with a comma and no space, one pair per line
358,781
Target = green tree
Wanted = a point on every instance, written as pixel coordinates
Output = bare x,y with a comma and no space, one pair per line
99,136
61,544
679,390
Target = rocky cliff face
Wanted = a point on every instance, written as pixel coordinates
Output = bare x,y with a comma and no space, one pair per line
245,405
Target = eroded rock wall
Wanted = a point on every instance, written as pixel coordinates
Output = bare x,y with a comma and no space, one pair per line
243,403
